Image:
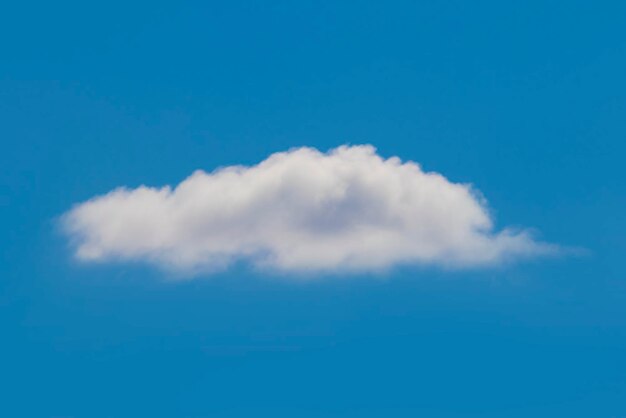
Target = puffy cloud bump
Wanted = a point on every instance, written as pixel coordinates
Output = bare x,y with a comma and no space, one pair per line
300,210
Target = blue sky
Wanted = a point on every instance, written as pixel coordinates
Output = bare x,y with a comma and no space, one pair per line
524,101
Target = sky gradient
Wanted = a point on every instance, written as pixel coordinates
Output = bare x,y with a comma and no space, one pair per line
526,102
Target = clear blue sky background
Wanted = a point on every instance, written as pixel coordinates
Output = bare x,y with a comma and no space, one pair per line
526,100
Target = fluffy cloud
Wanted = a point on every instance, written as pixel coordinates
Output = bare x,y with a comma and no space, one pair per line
300,210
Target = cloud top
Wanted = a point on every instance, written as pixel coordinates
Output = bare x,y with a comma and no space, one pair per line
300,210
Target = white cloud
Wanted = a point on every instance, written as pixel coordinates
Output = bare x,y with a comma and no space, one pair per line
301,210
